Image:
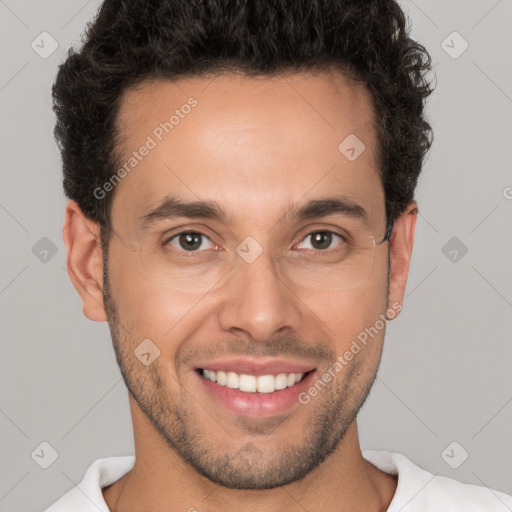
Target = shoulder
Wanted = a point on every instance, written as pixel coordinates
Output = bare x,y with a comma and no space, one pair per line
421,491
87,495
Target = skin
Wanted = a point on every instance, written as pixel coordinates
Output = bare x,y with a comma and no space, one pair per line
257,146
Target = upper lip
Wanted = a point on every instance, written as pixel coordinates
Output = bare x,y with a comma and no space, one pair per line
257,366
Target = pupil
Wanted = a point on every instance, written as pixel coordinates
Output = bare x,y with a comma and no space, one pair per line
322,236
190,240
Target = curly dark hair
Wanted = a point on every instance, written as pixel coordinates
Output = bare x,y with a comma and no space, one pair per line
133,40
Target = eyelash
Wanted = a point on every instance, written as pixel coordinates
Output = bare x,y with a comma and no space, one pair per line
192,253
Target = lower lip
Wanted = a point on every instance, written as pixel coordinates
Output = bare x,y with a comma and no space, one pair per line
259,405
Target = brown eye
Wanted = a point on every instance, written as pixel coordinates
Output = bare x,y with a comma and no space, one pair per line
189,241
321,240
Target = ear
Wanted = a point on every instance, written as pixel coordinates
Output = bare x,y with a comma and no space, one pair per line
400,252
85,266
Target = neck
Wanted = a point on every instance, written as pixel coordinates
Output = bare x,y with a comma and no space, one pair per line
161,481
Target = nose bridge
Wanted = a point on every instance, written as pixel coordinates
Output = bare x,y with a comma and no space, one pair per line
257,300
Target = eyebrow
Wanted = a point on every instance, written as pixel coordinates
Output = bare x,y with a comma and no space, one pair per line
172,207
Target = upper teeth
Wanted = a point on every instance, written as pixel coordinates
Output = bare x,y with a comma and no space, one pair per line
251,383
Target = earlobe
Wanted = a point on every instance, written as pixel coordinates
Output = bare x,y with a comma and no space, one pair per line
400,252
84,260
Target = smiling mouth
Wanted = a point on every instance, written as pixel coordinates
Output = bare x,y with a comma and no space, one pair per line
251,383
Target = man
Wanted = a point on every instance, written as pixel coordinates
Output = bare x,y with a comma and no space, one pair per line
241,180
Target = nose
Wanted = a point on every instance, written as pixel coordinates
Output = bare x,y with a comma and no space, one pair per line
257,302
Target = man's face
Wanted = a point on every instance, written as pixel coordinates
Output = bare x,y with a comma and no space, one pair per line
258,148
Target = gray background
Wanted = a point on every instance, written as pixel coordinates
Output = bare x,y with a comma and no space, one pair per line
445,374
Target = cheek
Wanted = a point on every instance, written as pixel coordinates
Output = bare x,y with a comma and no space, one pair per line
145,309
348,312
354,321
155,313
142,307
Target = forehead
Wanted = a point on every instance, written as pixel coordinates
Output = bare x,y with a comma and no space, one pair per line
255,144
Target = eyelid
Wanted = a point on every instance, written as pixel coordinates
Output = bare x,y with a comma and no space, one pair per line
172,232
169,237
310,233
336,230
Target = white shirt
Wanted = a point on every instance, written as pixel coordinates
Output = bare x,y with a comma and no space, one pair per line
417,489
